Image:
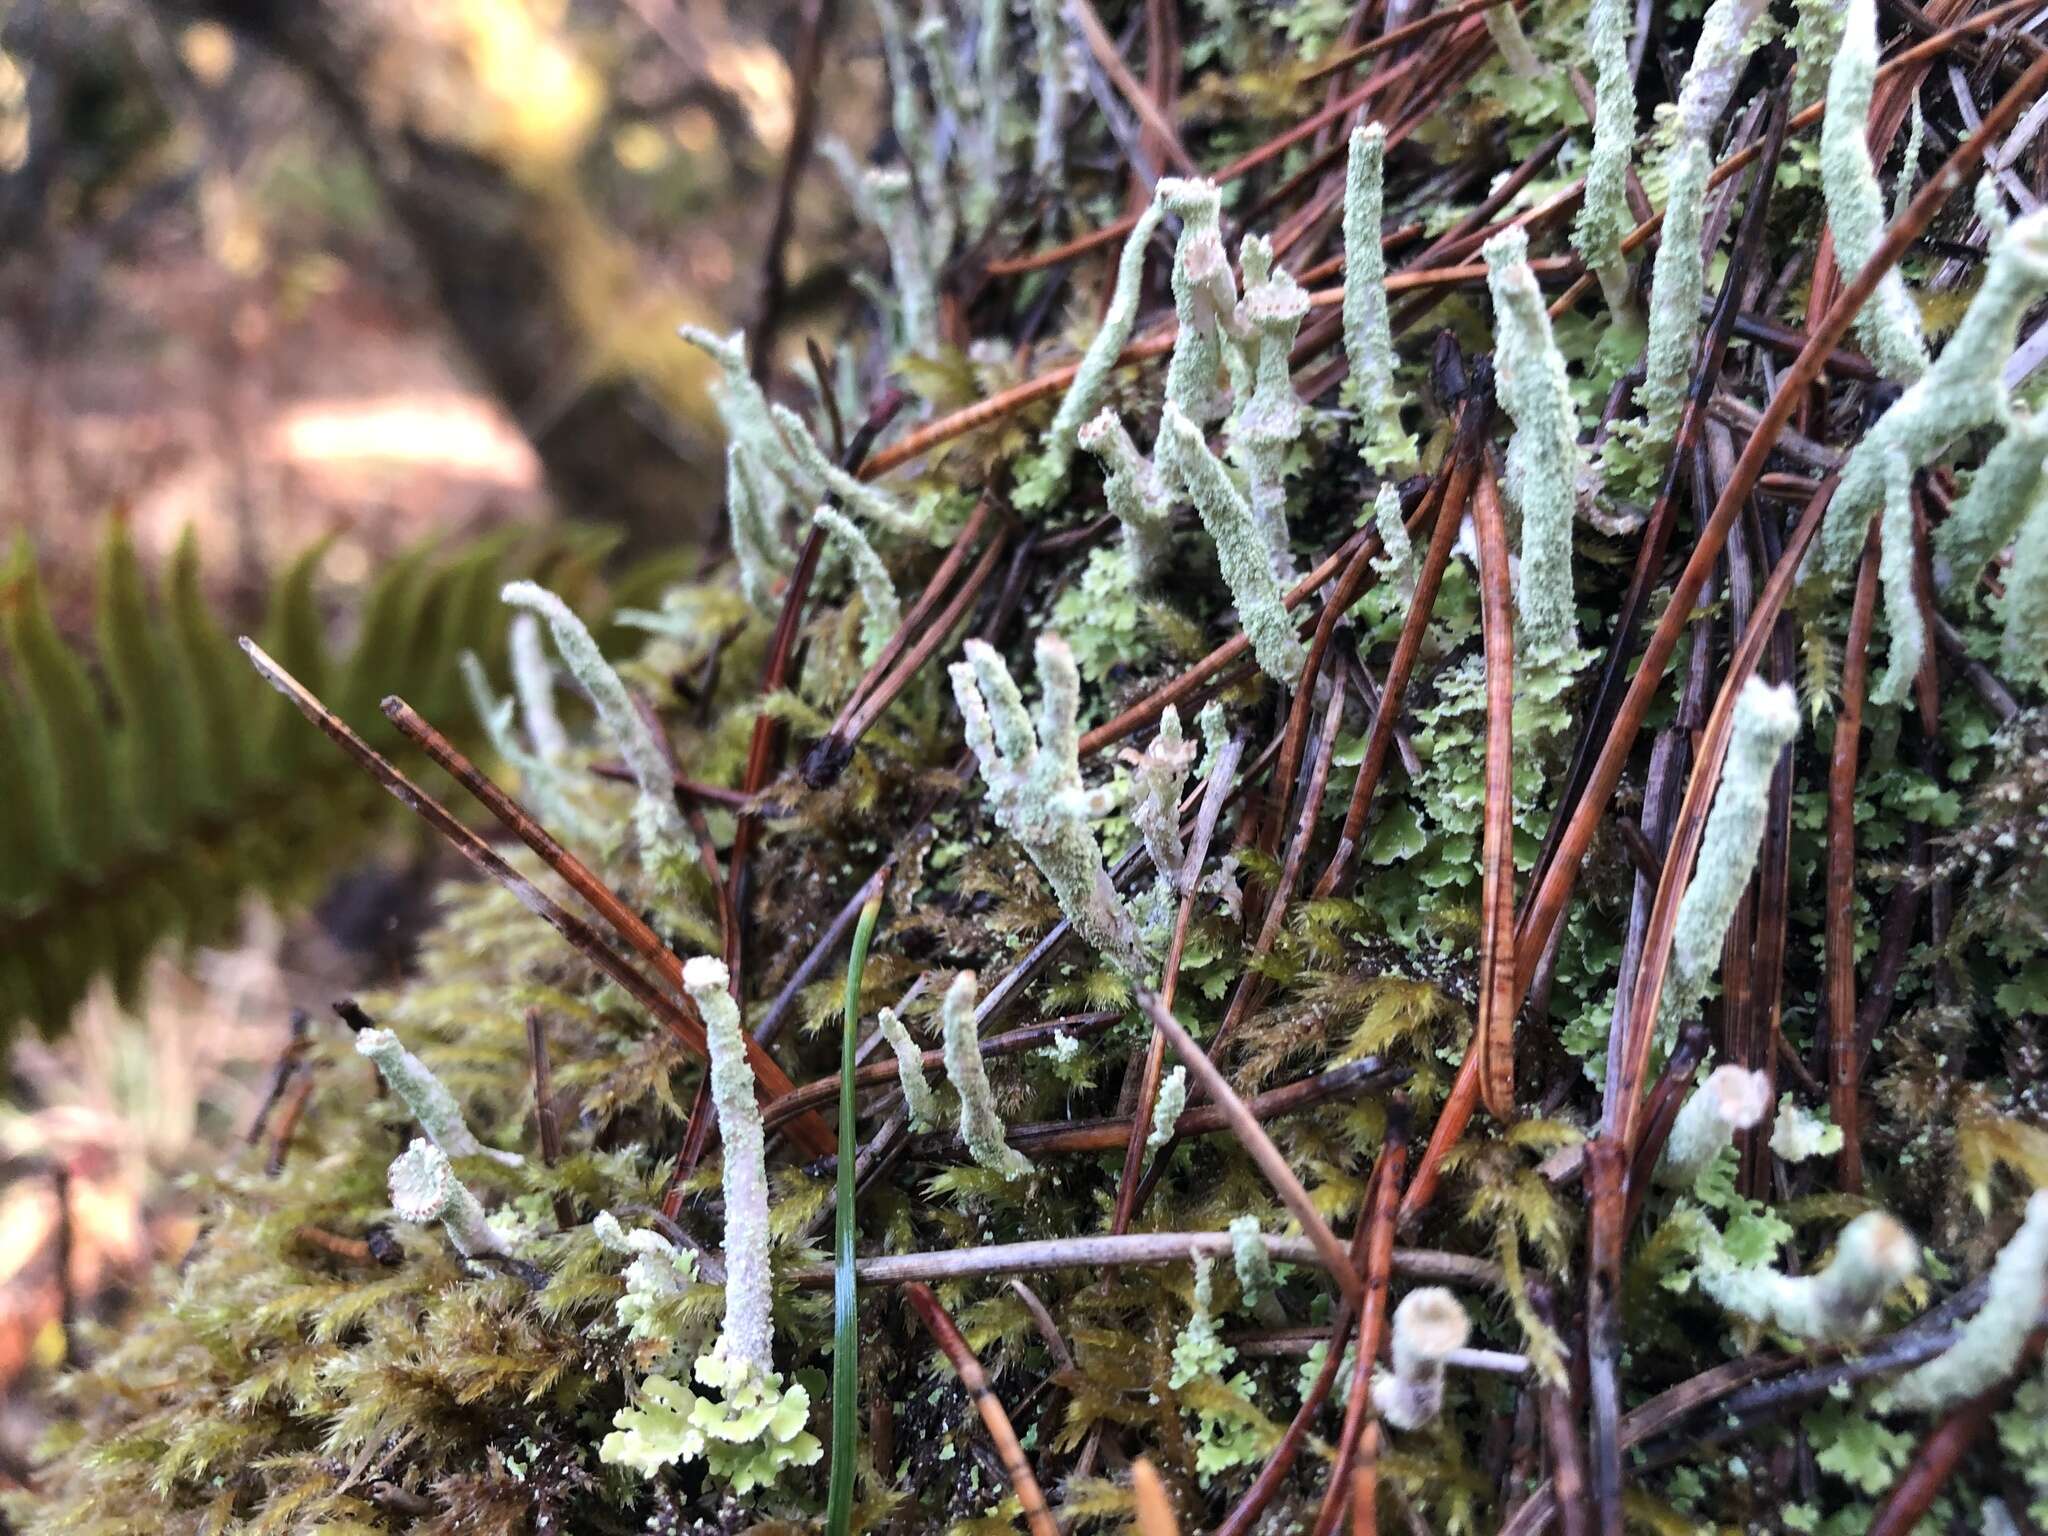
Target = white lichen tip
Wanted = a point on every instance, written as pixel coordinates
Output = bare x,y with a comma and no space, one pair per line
1543,460
1428,1325
1133,490
748,1334
432,1105
424,1188
1766,719
1731,1099
1991,1342
981,1126
1874,1255
1242,548
1889,324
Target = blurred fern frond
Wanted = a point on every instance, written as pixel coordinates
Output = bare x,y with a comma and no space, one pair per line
148,787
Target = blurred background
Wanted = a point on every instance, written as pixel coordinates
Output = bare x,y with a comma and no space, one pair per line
307,309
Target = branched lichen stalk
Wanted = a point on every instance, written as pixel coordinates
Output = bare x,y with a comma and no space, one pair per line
1268,417
1543,460
1604,218
917,1093
884,611
1033,778
1963,390
744,409
1132,488
904,229
914,135
1396,564
1241,546
1888,324
1731,1099
1766,718
1992,1341
1428,1324
1160,775
981,1126
655,817
1204,301
1873,1256
432,1105
1368,335
424,1188
747,1338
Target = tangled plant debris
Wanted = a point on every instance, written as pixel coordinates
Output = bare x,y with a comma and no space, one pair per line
1515,523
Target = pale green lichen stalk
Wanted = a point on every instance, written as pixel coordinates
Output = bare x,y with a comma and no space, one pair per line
1677,281
871,502
1268,416
1253,1263
904,229
424,1188
1428,1324
1888,325
918,1098
1368,335
1543,462
1766,719
432,1105
1160,774
1992,1341
1731,1099
757,543
663,838
1895,565
1167,1107
533,682
1505,27
1204,301
1033,779
1055,85
914,129
882,611
981,1125
1396,566
1604,219
542,781
1084,396
1873,1256
755,1426
1985,518
1199,1351
1962,391
2025,646
1242,548
1134,492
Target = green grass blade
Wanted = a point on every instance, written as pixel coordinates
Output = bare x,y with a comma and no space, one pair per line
845,1297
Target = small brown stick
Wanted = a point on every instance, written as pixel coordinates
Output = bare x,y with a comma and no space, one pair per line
1495,1042
280,1075
1365,1483
1606,1175
1395,38
1561,1432
1213,796
681,1022
946,1334
1257,1144
686,788
288,1116
1547,901
1844,1060
355,1250
547,1124
1359,1417
585,882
